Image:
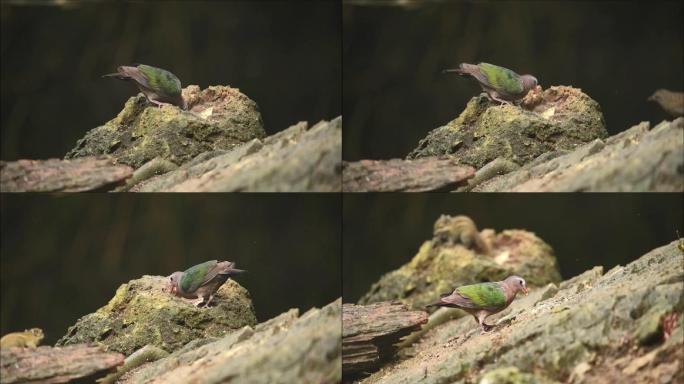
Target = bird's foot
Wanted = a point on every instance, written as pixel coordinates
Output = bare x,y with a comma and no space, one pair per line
486,328
209,301
198,303
502,101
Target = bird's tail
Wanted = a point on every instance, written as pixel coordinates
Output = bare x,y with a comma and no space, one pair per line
228,268
463,69
439,303
123,73
116,75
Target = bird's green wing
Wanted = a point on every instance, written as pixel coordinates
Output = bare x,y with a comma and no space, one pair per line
194,277
160,81
483,295
501,78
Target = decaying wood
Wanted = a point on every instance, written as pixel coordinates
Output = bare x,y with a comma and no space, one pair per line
639,159
55,364
297,159
370,332
55,175
396,175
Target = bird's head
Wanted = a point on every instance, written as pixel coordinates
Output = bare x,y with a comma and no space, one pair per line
518,283
528,82
656,96
174,279
180,102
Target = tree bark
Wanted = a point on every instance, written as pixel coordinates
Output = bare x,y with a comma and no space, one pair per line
370,332
396,175
55,175
55,364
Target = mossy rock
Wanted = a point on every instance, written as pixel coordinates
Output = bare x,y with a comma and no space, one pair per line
560,118
142,313
440,267
218,118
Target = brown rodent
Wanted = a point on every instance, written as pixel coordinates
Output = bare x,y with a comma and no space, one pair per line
27,339
460,230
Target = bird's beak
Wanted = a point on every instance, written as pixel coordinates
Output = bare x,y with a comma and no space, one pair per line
525,291
236,271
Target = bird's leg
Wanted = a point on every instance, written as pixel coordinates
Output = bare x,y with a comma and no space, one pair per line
211,297
481,319
500,100
158,103
494,95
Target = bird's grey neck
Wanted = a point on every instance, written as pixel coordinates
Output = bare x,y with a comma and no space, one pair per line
510,290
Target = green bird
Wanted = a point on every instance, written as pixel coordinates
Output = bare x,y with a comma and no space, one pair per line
484,299
501,84
202,281
158,85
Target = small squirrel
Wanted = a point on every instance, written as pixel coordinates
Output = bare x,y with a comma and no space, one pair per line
460,230
30,338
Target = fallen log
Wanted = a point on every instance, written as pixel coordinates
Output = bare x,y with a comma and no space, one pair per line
396,175
370,332
55,175
55,364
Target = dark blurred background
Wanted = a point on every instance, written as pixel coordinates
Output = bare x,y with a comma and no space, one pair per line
285,55
64,256
381,232
393,95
